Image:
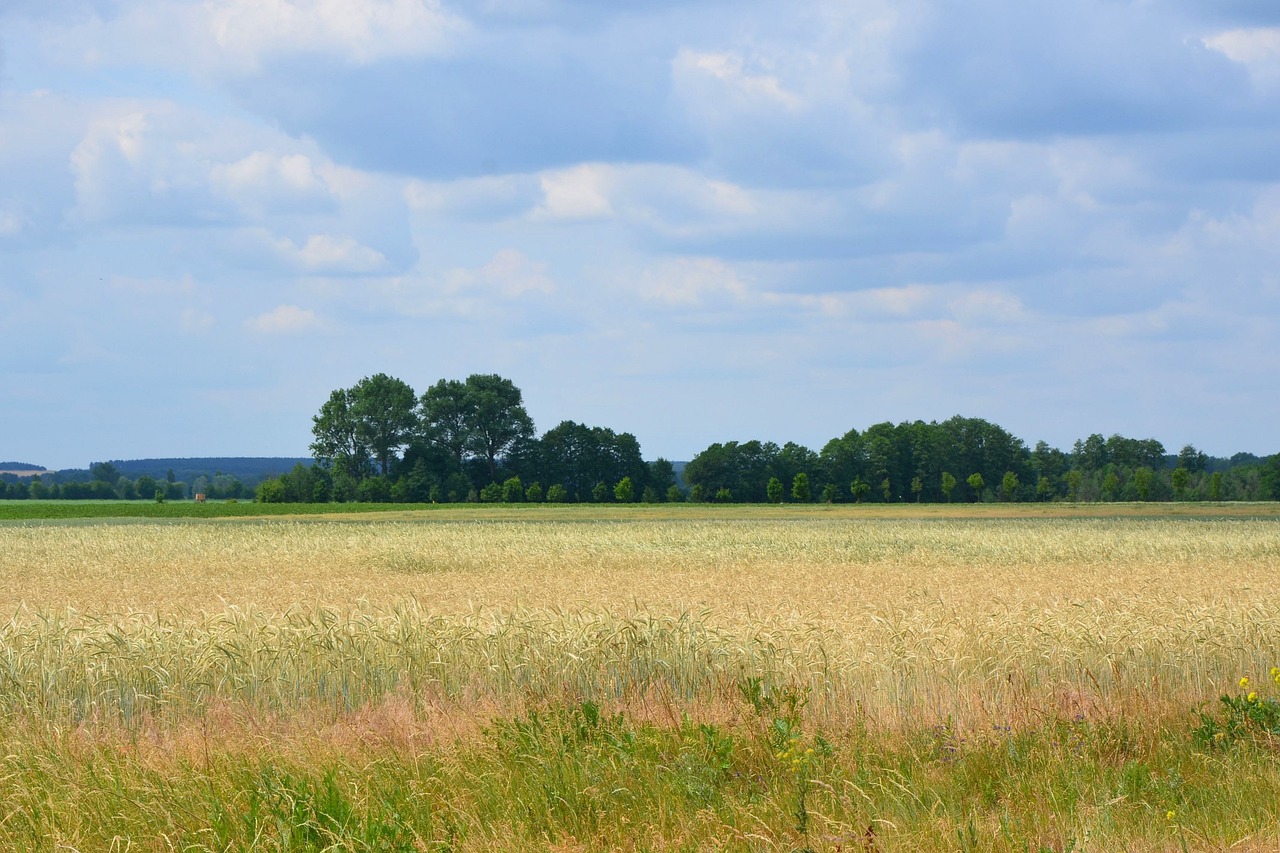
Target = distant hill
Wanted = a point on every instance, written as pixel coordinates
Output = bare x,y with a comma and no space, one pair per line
14,467
243,468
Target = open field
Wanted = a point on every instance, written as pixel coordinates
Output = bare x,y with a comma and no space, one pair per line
959,678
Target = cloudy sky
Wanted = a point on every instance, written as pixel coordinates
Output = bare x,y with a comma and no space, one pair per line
695,221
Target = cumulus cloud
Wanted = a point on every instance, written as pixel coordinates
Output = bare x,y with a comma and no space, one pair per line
284,320
1257,48
357,31
327,254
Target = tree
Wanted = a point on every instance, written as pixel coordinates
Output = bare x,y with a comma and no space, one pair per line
1191,459
625,491
383,409
512,491
104,472
1009,486
829,493
1142,482
774,490
601,492
800,488
443,414
948,483
976,483
724,496
859,488
496,418
533,494
886,489
1215,486
557,494
674,495
1181,478
338,440
1110,485
917,486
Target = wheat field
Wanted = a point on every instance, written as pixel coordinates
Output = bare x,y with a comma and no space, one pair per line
444,622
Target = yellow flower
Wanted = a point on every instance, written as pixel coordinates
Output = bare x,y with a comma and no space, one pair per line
1253,697
1170,815
1244,682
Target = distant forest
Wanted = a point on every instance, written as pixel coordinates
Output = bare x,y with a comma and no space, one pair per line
473,440
147,479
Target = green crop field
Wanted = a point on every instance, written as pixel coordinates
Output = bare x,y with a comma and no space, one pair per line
984,677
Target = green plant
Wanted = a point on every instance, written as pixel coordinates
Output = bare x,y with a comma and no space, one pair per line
1242,715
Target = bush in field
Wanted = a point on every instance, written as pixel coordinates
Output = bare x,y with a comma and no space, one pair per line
624,491
557,494
774,490
533,494
512,491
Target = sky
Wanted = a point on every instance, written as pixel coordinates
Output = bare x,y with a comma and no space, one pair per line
694,221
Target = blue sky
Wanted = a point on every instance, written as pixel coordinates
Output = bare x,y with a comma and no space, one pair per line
693,221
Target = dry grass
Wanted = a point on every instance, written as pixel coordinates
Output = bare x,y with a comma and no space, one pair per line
1018,682
907,612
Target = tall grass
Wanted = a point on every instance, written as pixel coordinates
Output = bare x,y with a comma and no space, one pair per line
822,682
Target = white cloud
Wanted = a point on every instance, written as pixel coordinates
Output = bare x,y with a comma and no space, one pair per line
284,319
730,69
578,193
692,282
1258,48
325,254
358,31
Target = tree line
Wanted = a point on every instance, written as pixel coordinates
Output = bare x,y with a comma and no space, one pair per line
969,459
473,440
462,440
105,481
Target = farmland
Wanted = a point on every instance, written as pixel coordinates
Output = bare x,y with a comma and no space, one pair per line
977,677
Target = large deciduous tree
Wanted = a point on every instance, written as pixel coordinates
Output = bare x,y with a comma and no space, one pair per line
443,411
383,408
370,421
496,418
338,441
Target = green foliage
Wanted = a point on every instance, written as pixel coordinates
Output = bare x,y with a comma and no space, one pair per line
1009,486
491,494
829,493
1180,479
557,494
624,491
533,494
859,489
269,492
697,493
948,483
600,493
512,491
976,484
674,495
774,490
374,490
800,488
1241,716
724,496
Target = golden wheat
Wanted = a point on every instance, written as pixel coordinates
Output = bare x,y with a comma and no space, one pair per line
906,616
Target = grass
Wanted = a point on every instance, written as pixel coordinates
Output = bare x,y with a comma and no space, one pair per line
575,678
